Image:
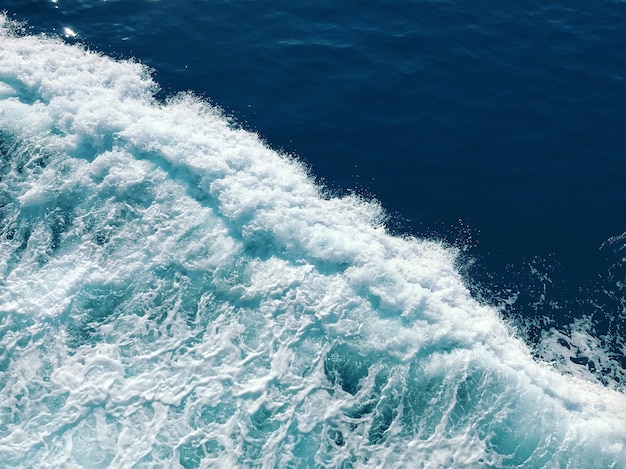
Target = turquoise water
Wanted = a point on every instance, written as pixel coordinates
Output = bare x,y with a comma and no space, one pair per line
175,293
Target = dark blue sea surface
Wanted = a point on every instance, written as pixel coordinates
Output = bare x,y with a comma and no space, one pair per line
497,128
507,117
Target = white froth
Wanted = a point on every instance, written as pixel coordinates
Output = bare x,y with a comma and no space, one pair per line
176,294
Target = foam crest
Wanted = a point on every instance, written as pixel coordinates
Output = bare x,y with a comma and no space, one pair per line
176,294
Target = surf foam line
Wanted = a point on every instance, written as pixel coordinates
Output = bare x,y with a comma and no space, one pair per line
176,294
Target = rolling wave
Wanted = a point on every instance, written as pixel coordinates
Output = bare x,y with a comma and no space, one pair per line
174,293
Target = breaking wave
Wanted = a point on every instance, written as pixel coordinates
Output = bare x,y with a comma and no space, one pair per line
174,293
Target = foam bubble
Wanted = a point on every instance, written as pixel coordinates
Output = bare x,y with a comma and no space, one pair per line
177,294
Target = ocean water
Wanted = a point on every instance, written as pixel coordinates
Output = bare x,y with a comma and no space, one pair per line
376,234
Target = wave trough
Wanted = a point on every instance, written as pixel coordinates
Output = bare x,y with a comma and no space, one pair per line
175,293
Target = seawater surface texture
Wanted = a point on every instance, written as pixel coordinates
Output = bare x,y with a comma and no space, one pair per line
174,293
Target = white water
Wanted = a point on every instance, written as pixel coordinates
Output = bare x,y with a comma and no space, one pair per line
176,294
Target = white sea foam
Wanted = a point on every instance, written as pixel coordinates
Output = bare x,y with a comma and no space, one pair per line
176,294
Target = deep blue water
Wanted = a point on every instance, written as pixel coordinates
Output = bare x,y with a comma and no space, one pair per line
497,128
509,118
